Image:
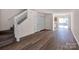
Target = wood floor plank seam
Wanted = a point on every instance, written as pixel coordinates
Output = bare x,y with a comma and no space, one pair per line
45,40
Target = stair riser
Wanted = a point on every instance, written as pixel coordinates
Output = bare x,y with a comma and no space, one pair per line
7,42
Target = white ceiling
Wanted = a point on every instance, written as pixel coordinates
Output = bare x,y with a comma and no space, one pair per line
54,10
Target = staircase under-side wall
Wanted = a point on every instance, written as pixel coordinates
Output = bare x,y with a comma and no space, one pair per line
7,37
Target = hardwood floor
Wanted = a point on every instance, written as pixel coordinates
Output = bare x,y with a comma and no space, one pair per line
62,40
45,40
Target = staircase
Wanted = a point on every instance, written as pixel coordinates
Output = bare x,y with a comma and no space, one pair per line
6,37
18,20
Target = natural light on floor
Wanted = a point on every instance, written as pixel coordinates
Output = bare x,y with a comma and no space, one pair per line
61,26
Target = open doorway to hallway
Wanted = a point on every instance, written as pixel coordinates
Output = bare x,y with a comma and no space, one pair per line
61,22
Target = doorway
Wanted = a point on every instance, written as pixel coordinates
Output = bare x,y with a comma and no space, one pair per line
61,22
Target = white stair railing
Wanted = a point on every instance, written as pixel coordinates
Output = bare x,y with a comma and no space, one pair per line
18,19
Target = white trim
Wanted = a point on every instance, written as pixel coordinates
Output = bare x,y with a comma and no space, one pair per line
75,38
18,39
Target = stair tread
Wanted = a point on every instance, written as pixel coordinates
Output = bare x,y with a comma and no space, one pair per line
5,37
7,42
7,31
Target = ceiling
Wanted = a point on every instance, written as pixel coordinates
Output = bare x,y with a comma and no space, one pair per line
54,10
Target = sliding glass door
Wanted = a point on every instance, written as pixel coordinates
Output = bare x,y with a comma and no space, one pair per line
62,22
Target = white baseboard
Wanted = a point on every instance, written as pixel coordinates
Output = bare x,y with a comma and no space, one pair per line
75,38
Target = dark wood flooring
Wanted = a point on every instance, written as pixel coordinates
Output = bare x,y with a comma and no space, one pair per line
45,40
6,37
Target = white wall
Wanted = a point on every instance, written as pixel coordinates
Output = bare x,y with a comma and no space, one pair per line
5,15
49,21
69,21
0,19
40,21
32,24
75,25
